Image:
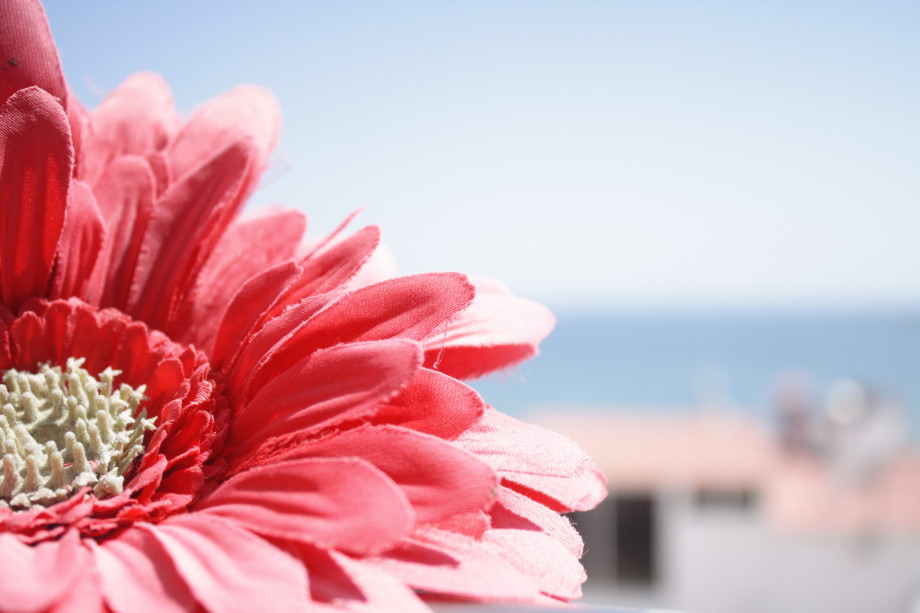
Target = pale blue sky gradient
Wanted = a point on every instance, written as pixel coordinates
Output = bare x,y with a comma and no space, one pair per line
589,154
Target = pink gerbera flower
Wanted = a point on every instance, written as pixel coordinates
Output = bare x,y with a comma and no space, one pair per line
198,414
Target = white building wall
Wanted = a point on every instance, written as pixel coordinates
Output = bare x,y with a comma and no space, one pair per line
731,561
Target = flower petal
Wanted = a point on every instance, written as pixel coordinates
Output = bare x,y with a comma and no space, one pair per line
137,118
253,300
407,307
85,596
186,221
519,512
537,555
36,157
329,582
547,463
245,112
28,51
449,564
6,357
27,348
41,574
331,267
125,195
264,340
379,267
497,331
247,248
159,165
343,503
433,403
230,570
318,275
384,592
327,388
80,243
138,576
440,479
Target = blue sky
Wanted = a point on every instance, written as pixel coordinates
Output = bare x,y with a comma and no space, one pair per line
589,154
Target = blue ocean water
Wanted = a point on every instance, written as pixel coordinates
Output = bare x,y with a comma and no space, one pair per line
650,361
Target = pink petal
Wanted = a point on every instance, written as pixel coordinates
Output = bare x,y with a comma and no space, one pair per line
433,403
85,596
407,307
329,582
384,592
317,274
331,267
472,524
228,569
343,503
246,249
252,301
6,358
125,195
581,491
265,340
138,576
327,388
497,331
468,575
467,362
42,574
35,163
26,335
246,112
186,222
379,267
439,479
541,557
519,512
538,459
28,51
312,247
450,564
78,117
80,243
159,165
137,118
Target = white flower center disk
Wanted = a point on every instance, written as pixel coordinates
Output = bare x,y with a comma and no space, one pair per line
64,430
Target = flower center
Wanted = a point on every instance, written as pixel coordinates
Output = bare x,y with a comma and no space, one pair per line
62,430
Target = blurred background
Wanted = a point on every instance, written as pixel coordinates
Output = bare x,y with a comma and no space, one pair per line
719,200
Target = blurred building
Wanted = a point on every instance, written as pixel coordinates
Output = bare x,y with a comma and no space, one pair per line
716,512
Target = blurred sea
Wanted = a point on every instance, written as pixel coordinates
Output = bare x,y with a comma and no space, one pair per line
654,361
